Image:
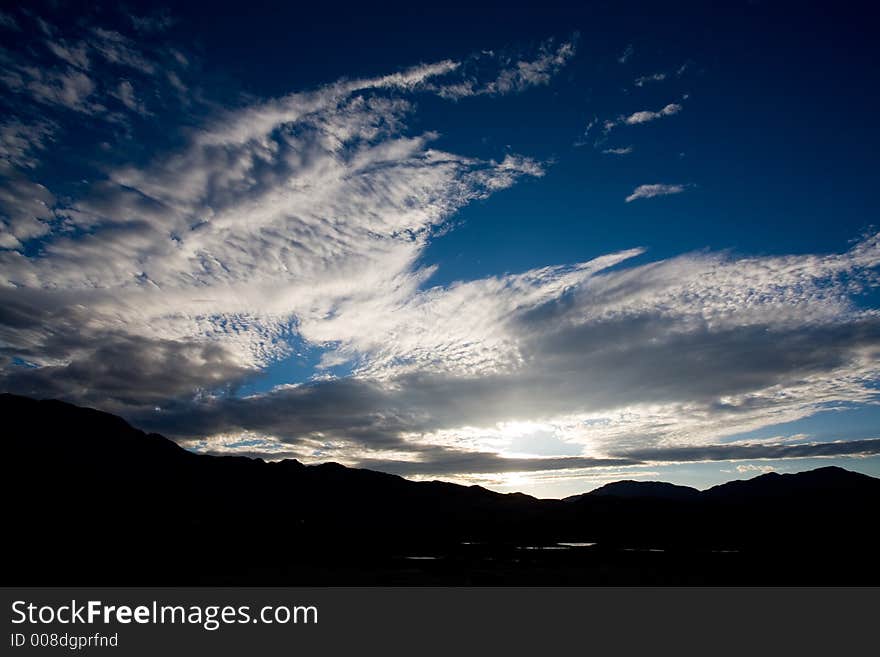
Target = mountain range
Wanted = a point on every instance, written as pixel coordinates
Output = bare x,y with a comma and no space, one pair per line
88,499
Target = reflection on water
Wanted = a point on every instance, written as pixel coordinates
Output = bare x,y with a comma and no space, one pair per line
551,546
643,550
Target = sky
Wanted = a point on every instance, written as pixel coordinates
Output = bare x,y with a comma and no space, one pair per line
528,246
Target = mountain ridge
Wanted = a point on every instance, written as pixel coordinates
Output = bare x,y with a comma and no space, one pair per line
125,506
626,488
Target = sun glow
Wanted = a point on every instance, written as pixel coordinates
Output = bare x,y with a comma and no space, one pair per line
518,429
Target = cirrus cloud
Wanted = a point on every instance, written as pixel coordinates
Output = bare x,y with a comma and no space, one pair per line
655,189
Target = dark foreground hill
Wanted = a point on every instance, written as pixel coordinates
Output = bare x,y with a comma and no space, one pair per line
629,489
87,499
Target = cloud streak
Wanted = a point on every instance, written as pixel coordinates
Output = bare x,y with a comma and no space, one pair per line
646,116
623,150
656,189
645,79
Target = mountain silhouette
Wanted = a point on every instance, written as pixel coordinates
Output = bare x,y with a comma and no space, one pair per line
819,483
629,489
90,500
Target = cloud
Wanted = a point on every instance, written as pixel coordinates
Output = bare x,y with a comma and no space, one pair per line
623,363
451,462
25,206
69,88
126,95
509,75
157,22
8,22
19,141
124,372
609,356
271,222
444,462
654,77
74,55
638,118
118,49
751,467
868,447
626,54
645,115
657,189
79,67
624,150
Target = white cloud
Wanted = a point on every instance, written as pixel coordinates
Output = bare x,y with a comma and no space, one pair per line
646,115
623,150
652,363
78,67
751,467
118,49
657,189
70,88
126,95
19,140
626,54
75,55
643,116
25,209
510,77
654,77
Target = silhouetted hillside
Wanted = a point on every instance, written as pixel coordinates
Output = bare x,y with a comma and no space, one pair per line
816,484
91,500
629,489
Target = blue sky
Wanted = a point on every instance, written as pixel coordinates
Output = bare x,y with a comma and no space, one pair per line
530,246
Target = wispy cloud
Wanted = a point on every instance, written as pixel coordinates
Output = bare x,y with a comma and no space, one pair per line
751,467
7,21
156,22
120,50
654,77
20,141
623,150
758,451
75,55
25,208
491,73
656,189
626,54
640,117
645,116
81,68
126,95
69,88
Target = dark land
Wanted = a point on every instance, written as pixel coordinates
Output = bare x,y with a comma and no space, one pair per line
90,500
